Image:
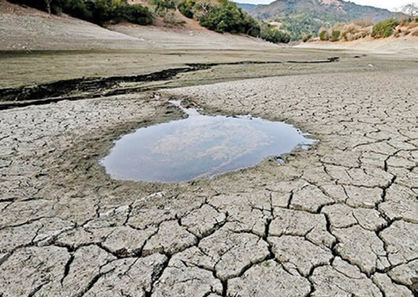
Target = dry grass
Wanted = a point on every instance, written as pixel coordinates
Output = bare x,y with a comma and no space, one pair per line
363,28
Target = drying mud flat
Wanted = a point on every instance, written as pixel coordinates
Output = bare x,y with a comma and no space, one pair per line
339,219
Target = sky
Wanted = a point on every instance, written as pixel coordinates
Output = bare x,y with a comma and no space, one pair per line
388,4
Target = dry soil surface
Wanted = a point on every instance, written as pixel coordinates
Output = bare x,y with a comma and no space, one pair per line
337,220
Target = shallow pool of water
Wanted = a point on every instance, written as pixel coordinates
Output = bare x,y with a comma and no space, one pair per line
199,146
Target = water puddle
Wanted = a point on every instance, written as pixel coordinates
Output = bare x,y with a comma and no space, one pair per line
199,146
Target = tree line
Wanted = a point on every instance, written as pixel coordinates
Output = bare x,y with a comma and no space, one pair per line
217,15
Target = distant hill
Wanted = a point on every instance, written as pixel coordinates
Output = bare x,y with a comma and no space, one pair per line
247,6
326,9
307,16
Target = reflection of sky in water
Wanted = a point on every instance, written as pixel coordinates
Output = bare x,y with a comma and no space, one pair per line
199,146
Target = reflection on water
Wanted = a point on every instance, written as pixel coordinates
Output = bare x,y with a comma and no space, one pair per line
199,146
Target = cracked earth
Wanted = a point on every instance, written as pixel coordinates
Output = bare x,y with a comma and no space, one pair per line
337,220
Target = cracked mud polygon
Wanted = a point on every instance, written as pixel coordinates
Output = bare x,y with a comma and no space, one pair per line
339,219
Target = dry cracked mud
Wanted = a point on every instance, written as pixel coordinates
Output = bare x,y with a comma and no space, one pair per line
337,220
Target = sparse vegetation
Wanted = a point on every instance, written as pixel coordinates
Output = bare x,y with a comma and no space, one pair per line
323,35
384,28
171,20
270,33
365,28
300,25
306,37
302,17
411,10
335,35
137,14
187,8
97,11
225,16
163,6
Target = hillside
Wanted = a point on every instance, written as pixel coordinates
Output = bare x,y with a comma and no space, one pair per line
388,36
247,6
301,17
326,10
222,16
25,28
401,46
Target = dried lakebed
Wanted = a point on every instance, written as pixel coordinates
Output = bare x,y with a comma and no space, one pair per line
336,220
199,146
95,87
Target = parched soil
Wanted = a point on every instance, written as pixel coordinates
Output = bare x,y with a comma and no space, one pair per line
337,220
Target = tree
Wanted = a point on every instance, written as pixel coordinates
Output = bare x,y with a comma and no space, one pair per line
323,35
384,28
48,5
335,35
410,9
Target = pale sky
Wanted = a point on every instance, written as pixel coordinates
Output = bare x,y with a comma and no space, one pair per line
388,4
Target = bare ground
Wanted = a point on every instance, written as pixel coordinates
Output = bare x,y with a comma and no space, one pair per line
337,220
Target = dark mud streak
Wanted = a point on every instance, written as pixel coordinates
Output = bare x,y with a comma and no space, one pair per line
70,89
64,87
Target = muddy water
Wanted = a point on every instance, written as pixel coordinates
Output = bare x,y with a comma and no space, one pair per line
199,146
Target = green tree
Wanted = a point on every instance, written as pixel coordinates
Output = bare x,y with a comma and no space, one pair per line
335,35
384,28
186,8
323,35
97,11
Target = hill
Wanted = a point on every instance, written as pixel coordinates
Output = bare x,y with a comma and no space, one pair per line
247,6
222,16
27,29
304,17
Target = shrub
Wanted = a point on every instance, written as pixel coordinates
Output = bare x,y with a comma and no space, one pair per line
186,8
384,28
76,8
39,4
137,14
271,34
335,35
405,21
170,19
323,35
106,10
358,36
227,17
97,11
162,6
306,37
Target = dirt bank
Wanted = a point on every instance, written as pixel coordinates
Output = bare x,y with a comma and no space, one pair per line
402,46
